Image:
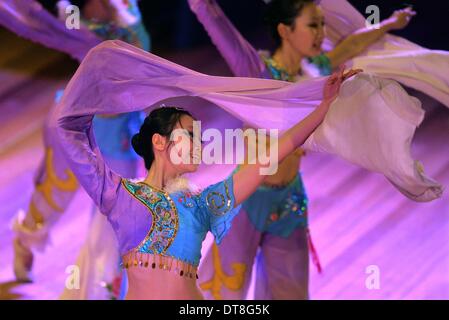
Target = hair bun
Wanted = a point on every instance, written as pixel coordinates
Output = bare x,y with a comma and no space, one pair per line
136,142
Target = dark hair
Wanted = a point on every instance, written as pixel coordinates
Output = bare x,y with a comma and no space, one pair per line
161,121
50,5
283,11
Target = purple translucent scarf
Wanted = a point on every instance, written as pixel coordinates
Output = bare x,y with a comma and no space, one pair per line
371,118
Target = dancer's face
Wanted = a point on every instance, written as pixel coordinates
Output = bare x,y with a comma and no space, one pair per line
183,146
306,35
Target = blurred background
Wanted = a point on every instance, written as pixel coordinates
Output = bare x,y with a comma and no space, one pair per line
173,26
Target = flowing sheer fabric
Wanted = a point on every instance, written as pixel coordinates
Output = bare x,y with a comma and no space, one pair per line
391,57
371,119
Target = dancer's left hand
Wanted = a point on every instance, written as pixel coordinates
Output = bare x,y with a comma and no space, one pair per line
333,83
351,73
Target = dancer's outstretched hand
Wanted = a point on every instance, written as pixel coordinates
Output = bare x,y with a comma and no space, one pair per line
333,83
351,73
401,18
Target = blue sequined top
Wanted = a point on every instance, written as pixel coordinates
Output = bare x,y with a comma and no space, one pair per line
321,62
278,210
281,210
149,220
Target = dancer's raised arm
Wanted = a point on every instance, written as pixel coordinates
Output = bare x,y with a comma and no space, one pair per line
241,57
361,39
248,178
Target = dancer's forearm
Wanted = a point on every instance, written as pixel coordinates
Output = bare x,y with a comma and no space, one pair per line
249,178
241,57
361,39
356,43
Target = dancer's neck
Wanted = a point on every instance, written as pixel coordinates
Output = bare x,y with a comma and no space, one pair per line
288,59
160,175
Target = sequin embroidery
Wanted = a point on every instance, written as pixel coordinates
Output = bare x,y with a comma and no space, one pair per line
295,204
217,202
277,72
165,220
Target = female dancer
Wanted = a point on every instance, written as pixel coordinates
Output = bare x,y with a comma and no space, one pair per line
177,220
55,183
276,214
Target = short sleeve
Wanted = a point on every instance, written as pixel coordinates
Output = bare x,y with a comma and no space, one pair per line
217,202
